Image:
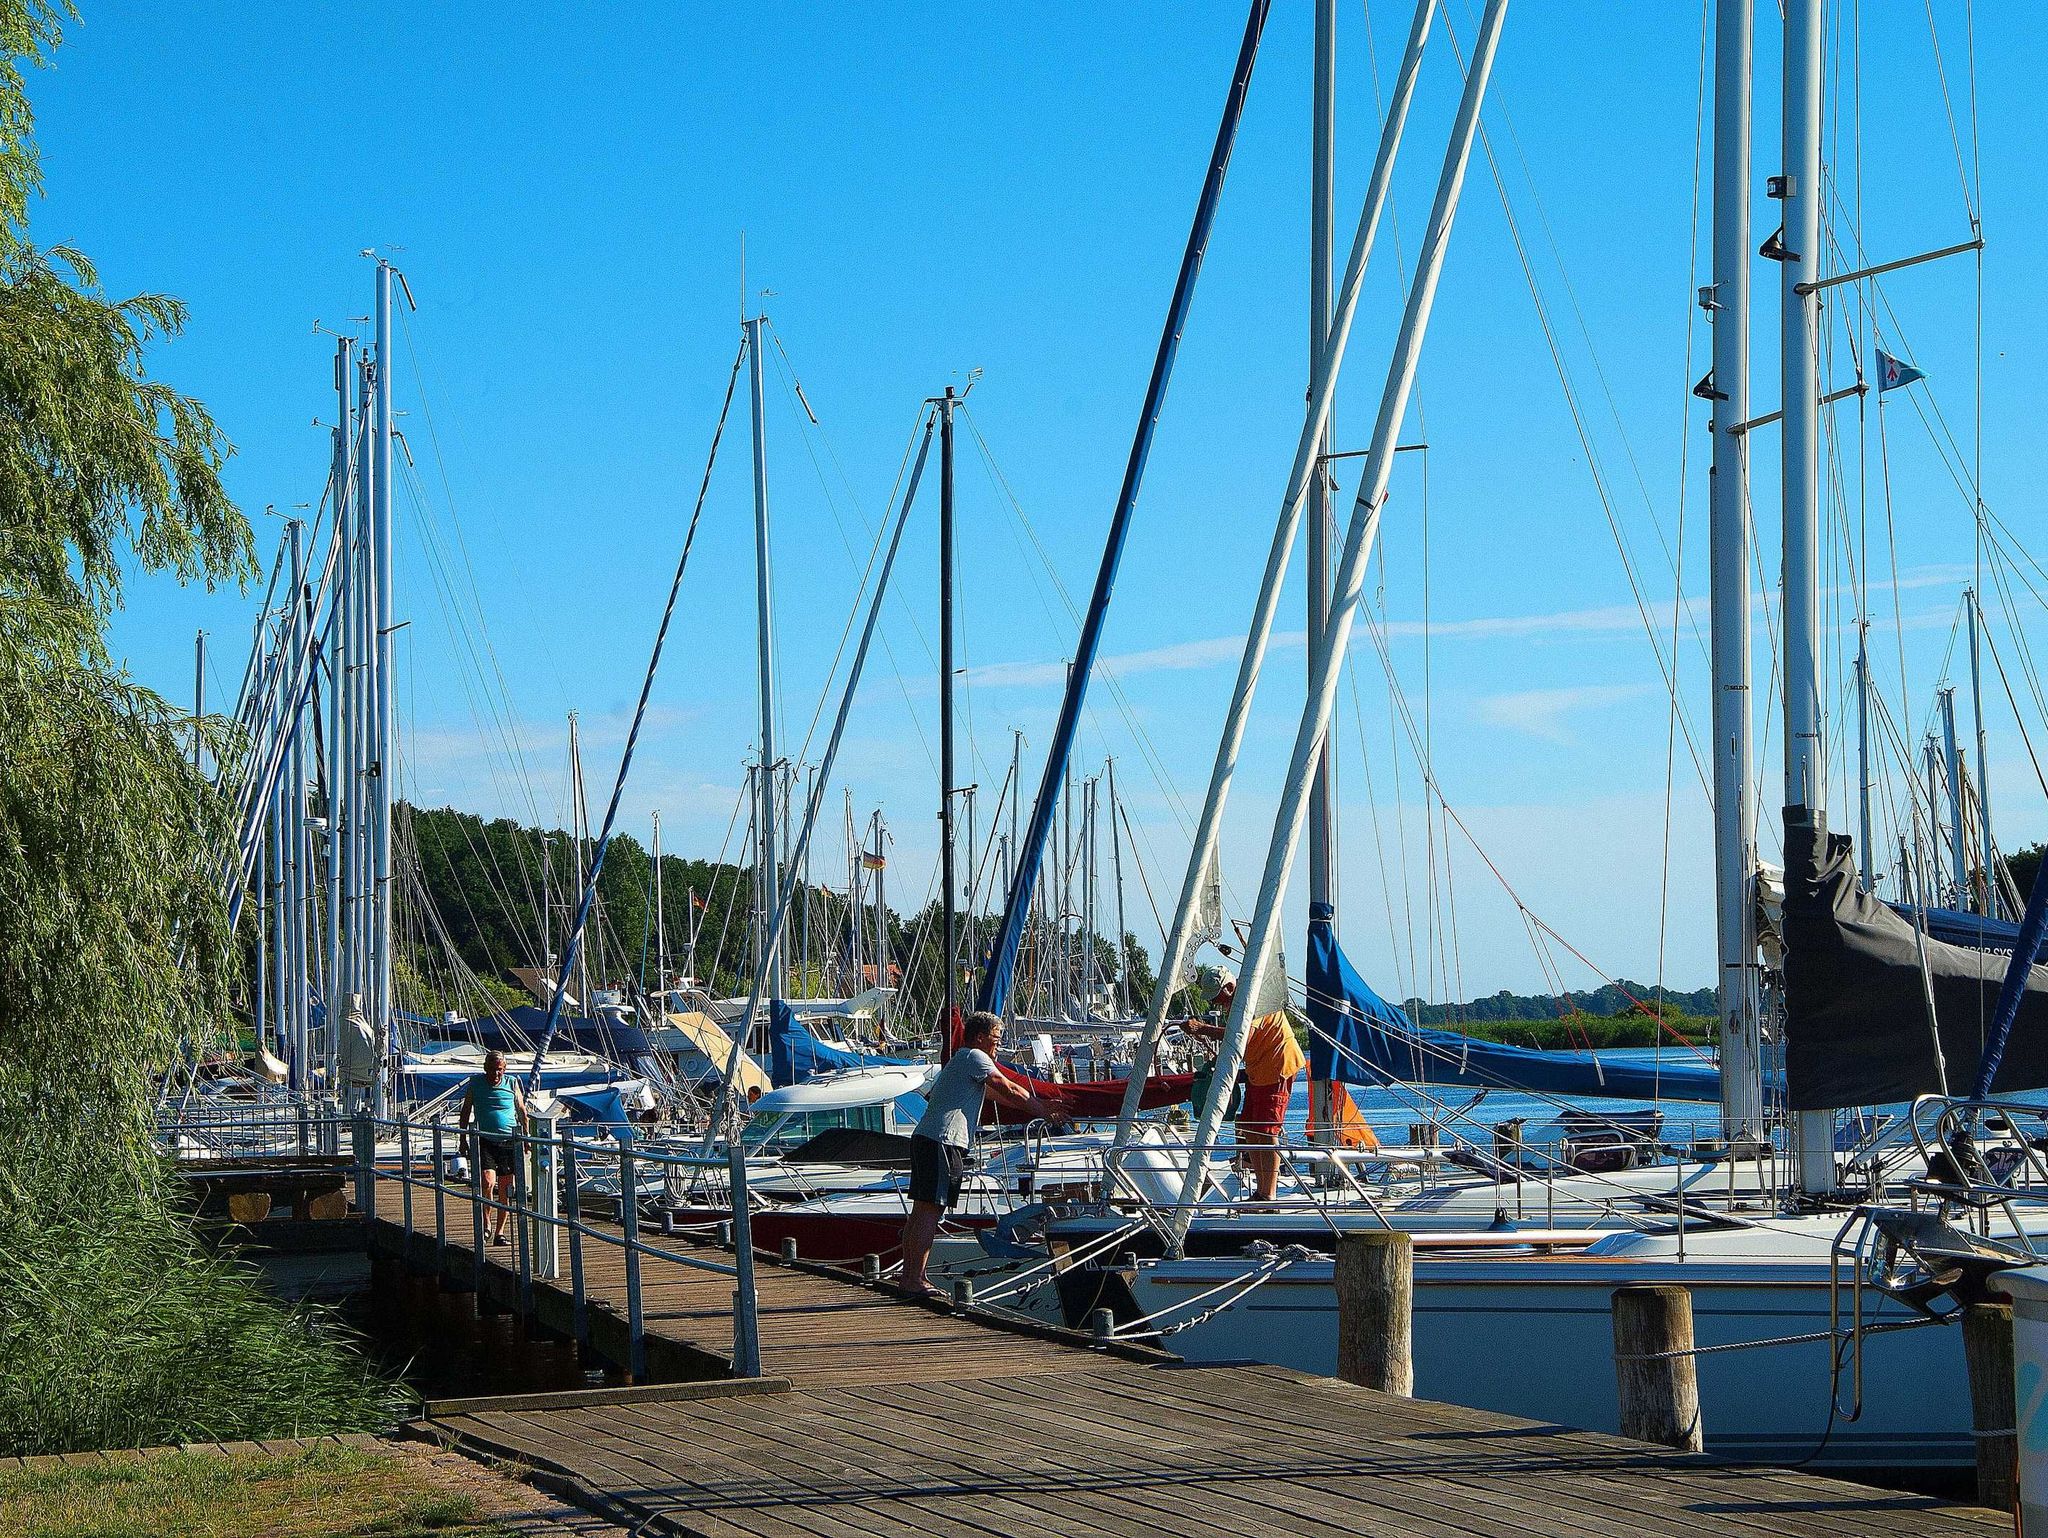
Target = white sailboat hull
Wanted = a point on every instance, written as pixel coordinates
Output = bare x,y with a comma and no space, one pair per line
1533,1337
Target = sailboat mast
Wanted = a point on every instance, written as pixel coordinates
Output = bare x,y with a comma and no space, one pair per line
946,876
1261,951
1987,852
385,766
660,927
880,867
340,772
1176,958
1866,874
1728,490
1805,792
1952,759
1322,848
764,613
1322,788
995,981
578,833
294,806
1116,860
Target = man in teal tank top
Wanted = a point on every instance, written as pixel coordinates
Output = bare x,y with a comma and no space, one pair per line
500,1110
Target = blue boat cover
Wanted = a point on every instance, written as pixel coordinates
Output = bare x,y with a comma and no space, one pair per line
1973,931
1359,1038
794,1054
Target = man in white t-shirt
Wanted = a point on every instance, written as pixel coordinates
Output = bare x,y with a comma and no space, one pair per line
938,1149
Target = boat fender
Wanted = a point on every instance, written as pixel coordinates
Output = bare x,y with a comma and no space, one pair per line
1018,1234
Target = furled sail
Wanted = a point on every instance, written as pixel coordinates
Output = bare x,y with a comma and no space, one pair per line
1357,1037
1856,1028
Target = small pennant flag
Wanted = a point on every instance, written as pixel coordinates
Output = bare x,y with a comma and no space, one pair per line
1892,372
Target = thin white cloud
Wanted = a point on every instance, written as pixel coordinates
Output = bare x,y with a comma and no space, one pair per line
1181,656
1543,712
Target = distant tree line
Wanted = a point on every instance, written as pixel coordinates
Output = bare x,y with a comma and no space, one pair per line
493,895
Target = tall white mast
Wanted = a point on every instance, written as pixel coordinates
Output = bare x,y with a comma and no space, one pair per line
764,613
660,928
1728,481
1799,324
340,771
383,770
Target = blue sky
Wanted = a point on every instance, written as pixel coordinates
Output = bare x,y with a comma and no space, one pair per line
924,195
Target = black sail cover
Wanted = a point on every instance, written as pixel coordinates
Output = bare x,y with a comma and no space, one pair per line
1856,1029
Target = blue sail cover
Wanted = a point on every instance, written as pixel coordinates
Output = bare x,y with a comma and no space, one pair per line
1359,1038
1972,931
794,1054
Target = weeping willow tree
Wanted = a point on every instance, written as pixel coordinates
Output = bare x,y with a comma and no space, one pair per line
117,1326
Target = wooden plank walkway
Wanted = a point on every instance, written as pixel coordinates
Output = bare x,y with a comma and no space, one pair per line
818,1326
1114,1449
907,1418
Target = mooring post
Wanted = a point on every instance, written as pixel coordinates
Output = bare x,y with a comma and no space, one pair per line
871,1269
547,1201
1988,1351
1375,1280
1654,1367
789,1251
572,1196
363,1141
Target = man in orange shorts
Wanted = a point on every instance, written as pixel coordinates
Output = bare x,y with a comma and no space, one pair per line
1272,1060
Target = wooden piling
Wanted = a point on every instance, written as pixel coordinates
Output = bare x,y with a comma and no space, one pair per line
1654,1366
1375,1282
1988,1351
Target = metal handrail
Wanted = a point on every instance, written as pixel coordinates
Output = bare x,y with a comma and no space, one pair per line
560,1158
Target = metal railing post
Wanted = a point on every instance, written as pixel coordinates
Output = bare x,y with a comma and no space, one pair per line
363,1138
572,1195
440,1203
547,1211
522,1230
746,1330
477,1215
629,1218
405,1175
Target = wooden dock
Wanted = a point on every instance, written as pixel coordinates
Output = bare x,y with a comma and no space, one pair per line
876,1416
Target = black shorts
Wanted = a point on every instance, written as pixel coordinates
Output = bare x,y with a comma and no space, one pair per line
496,1154
935,1170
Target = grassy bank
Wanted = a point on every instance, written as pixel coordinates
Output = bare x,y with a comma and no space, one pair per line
123,1330
1625,1030
326,1491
